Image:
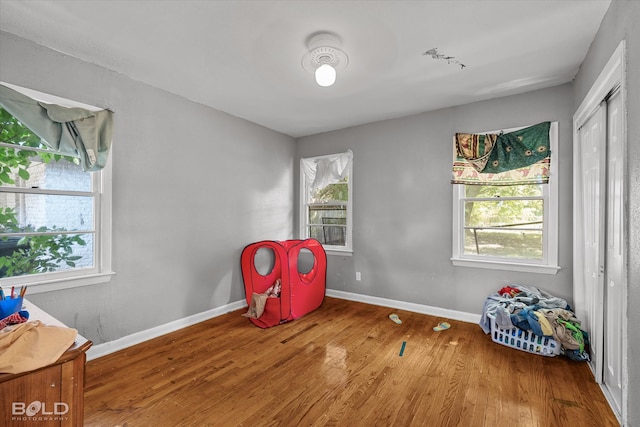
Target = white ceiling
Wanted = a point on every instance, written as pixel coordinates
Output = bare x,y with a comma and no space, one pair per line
244,57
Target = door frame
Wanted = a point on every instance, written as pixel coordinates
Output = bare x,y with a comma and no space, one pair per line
613,75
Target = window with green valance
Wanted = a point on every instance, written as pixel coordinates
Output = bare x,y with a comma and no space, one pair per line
519,157
78,132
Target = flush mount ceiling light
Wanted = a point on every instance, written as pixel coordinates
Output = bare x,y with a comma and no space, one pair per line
324,58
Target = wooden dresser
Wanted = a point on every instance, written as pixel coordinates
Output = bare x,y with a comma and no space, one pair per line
49,396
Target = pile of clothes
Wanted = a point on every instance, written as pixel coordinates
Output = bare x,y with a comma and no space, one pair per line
534,310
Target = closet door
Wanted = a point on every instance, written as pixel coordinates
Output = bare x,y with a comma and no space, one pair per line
600,238
614,276
592,138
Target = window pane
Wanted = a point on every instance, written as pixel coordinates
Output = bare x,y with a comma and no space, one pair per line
529,190
45,253
42,212
57,173
328,224
328,214
504,228
330,193
504,213
316,233
504,243
329,235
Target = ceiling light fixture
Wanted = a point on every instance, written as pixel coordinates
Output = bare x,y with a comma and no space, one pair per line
324,58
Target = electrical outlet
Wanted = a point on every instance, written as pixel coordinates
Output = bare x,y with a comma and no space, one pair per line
358,276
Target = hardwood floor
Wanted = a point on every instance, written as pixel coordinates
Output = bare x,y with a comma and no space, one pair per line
338,366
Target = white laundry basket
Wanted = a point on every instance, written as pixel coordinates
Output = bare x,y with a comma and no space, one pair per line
524,340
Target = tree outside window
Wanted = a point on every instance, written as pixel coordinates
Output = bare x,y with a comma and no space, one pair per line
46,205
504,221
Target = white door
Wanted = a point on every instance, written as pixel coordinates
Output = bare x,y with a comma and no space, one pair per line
592,137
602,178
614,273
600,241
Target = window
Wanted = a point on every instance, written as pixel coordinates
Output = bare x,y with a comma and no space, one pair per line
326,207
55,228
512,227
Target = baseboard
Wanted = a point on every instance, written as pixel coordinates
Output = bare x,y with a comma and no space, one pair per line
103,349
408,306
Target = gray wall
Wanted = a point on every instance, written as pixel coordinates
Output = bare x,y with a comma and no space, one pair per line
403,202
622,22
192,186
182,216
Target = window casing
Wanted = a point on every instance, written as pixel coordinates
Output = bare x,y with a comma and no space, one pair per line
326,212
53,203
508,227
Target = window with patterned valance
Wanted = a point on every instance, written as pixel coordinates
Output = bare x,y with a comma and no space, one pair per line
505,211
519,157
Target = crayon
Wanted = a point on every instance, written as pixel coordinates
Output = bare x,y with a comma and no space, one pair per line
404,343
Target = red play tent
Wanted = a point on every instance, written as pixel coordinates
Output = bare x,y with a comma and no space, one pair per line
301,292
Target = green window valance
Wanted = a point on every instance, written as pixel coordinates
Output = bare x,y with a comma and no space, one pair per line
519,157
77,132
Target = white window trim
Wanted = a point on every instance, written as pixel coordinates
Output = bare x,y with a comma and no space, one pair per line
102,184
346,250
549,264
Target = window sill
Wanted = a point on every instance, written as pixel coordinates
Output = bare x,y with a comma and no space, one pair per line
47,285
510,266
339,252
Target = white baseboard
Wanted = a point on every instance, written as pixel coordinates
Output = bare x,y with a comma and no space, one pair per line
103,349
408,306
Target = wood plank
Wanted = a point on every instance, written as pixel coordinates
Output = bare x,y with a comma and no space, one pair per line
339,365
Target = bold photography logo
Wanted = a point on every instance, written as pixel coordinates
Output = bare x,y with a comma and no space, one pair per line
38,409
